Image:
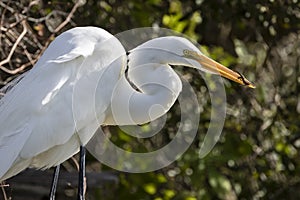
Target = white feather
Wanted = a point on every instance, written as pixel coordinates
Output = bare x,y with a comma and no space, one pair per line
77,85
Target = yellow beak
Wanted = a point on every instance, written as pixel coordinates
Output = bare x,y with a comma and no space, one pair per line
215,67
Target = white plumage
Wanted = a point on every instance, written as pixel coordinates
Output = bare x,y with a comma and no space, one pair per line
48,114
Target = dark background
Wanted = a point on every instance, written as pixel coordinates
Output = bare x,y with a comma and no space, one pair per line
258,154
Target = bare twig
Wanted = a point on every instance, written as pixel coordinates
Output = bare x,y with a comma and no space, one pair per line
21,68
3,190
75,162
69,17
57,29
6,7
13,50
28,55
63,24
12,35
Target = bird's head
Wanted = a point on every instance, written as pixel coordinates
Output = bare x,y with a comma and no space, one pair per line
180,51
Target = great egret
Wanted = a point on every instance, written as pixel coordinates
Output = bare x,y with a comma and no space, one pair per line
37,122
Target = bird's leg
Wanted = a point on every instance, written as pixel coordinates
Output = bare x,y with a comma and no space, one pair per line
81,183
54,182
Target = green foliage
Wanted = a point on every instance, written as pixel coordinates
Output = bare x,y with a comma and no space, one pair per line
258,154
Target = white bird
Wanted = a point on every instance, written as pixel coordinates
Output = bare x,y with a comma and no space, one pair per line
37,122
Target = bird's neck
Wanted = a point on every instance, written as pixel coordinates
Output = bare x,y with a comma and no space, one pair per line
158,88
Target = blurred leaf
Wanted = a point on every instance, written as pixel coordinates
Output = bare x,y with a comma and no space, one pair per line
150,188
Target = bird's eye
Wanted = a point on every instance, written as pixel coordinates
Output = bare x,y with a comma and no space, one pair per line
189,54
186,52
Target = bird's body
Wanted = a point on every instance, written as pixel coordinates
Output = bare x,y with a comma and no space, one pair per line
36,117
79,84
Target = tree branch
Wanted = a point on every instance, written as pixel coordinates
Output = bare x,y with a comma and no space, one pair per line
13,50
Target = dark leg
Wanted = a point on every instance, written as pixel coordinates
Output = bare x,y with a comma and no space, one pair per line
54,183
81,184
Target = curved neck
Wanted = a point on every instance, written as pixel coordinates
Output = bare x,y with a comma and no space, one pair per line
159,88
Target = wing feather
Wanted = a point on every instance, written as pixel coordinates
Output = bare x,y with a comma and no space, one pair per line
10,146
37,115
